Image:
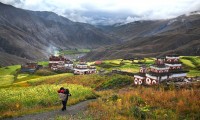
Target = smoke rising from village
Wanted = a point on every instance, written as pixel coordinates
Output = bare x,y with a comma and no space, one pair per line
110,11
52,50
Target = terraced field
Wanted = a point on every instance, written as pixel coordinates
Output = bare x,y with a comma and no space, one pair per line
23,93
191,63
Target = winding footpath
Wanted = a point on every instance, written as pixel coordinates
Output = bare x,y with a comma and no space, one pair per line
51,115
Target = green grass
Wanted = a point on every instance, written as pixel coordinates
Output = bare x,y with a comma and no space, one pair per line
37,91
44,72
126,65
6,80
23,99
130,67
44,63
84,50
9,70
191,63
75,51
149,60
193,73
116,61
21,76
116,82
25,77
7,74
36,81
188,63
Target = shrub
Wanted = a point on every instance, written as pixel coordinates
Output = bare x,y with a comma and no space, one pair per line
137,100
116,82
108,65
44,72
114,98
138,113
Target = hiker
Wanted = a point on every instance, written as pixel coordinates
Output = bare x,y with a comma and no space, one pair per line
64,94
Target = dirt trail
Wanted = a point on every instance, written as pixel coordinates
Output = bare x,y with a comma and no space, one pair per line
51,115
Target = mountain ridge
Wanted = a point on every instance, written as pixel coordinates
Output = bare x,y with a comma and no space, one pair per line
34,35
179,35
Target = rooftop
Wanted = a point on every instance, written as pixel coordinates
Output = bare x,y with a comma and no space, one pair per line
141,74
173,55
159,66
178,71
174,62
158,74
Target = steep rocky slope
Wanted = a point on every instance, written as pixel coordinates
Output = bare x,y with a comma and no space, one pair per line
31,35
180,35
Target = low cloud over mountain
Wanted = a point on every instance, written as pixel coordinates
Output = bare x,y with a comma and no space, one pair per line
110,11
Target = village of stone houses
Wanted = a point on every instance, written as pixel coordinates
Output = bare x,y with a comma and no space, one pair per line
164,87
162,69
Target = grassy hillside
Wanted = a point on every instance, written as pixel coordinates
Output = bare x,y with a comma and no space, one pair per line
75,51
43,63
23,93
7,74
191,63
20,100
143,103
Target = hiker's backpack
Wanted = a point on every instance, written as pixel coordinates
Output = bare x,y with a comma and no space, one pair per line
62,96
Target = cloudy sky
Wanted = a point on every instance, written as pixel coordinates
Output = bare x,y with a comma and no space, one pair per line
110,11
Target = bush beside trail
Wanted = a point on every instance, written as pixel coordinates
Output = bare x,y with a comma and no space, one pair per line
117,81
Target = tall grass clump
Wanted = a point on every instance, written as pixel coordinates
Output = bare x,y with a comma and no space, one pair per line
44,72
116,81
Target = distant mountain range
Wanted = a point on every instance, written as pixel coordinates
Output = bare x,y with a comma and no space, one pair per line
180,35
32,35
29,35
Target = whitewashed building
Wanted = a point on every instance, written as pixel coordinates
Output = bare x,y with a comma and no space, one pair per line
69,64
163,69
82,68
139,78
60,63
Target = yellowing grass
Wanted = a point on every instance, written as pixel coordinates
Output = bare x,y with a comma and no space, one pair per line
20,76
55,78
146,103
24,99
6,80
116,61
129,70
7,75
